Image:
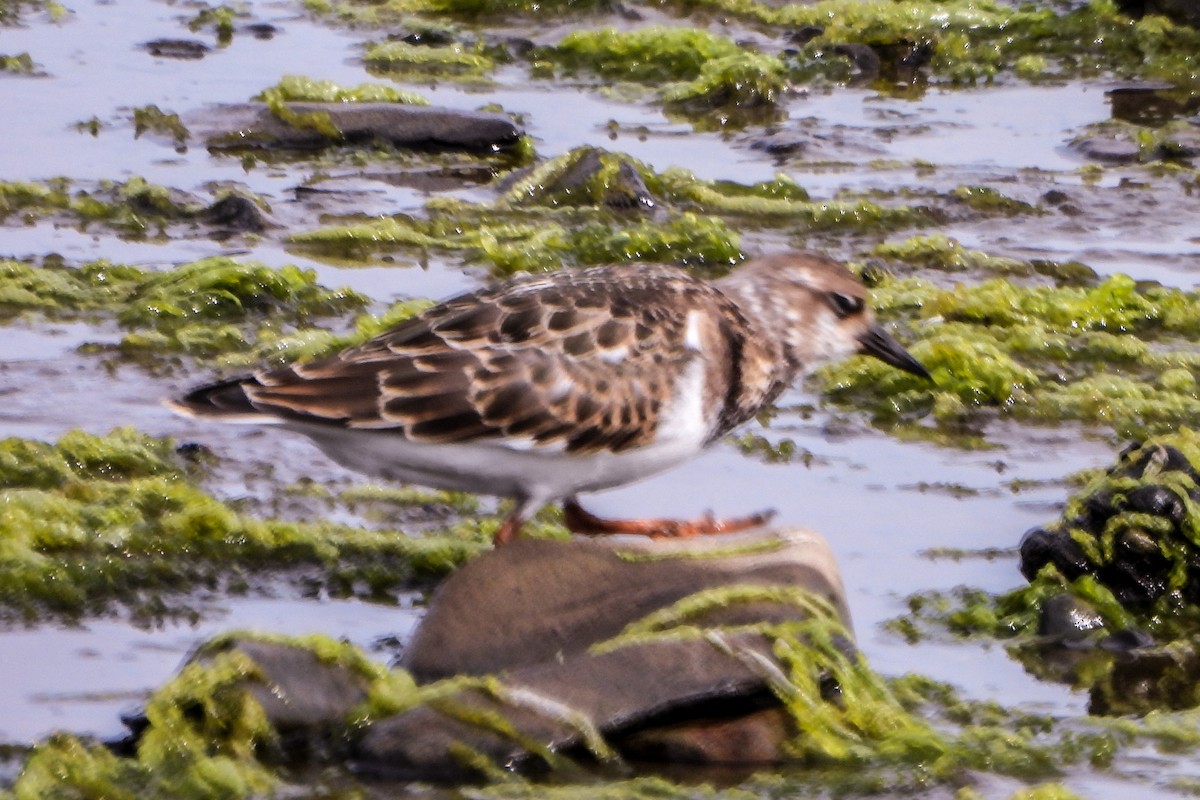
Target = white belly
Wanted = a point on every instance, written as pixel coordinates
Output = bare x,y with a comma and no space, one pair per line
521,469
491,467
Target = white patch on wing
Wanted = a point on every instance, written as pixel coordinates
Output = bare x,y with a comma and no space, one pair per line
691,335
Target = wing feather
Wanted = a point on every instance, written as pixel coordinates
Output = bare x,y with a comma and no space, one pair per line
581,360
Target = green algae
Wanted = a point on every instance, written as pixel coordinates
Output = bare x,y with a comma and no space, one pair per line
204,736
853,731
19,64
845,719
152,118
134,207
783,451
1121,559
583,207
292,89
746,80
783,201
205,308
940,252
979,41
220,18
701,70
390,12
300,89
94,523
650,55
508,247
1108,353
12,12
1162,145
216,289
583,177
273,346
454,59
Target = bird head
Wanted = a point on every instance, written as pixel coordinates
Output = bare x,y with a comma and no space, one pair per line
822,308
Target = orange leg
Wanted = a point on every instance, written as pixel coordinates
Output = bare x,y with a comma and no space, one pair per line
509,530
579,521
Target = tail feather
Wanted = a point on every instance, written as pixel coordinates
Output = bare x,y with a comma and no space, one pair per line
226,401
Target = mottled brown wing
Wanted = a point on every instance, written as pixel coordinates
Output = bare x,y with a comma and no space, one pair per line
585,360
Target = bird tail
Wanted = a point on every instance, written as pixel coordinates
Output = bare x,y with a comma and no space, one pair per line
226,401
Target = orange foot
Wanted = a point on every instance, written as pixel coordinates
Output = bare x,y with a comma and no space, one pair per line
579,521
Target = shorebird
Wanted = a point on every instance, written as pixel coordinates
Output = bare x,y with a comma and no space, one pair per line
553,385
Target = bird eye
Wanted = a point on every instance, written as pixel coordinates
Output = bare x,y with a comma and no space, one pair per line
844,304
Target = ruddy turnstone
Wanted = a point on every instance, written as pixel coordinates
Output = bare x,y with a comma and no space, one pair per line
552,385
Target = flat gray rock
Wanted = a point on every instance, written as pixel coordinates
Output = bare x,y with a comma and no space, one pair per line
253,125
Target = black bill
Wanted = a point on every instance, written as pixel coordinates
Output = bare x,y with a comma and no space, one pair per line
879,343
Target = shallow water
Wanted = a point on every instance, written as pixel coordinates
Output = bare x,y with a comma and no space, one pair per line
864,489
104,668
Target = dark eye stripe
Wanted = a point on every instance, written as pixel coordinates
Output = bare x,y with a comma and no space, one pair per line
844,304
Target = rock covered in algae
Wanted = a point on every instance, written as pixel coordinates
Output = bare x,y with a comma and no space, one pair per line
1134,529
655,648
536,601
755,666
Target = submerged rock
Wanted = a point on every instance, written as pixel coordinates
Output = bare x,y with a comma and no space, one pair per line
188,49
237,213
316,125
1109,149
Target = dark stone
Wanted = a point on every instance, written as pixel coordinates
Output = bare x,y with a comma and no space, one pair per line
1136,459
177,48
1124,641
429,38
1139,571
177,203
305,699
625,191
1109,150
743,738
803,36
864,58
262,30
237,213
1068,618
1181,12
780,145
1097,508
194,451
1040,547
1151,104
1157,500
252,125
